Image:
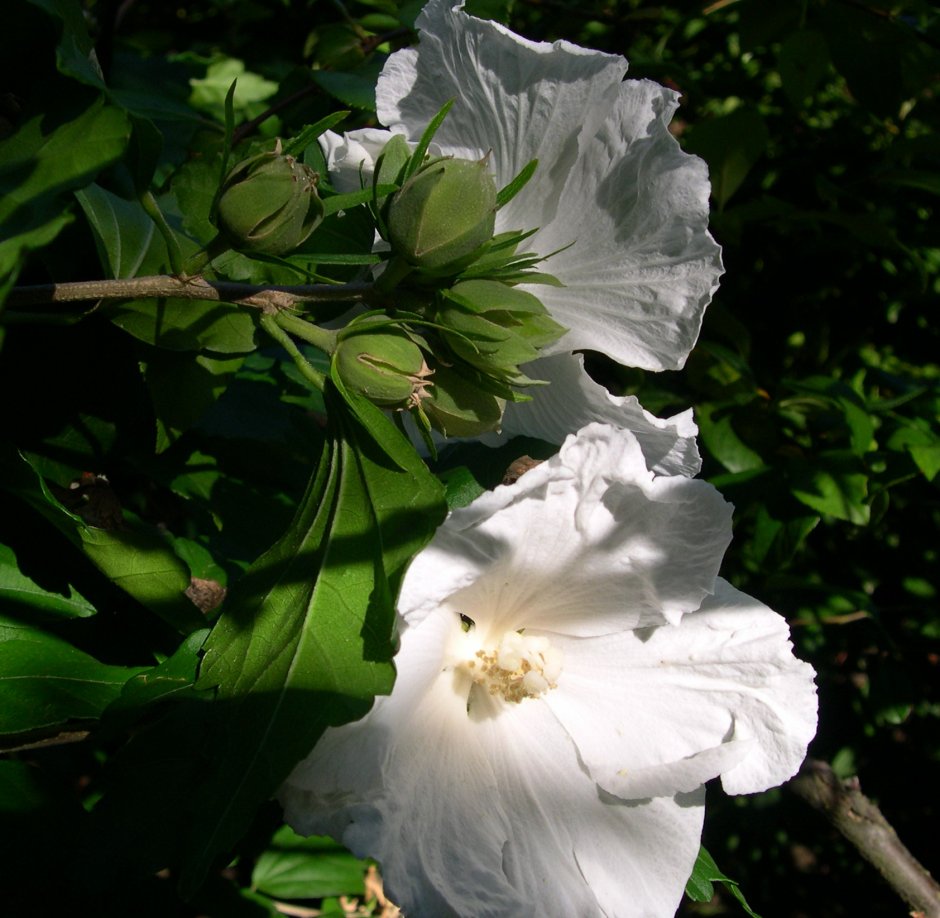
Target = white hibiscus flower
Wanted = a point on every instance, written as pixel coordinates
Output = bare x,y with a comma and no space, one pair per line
571,672
613,191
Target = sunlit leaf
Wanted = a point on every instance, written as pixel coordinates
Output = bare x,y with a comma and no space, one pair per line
134,557
705,873
294,867
305,639
18,590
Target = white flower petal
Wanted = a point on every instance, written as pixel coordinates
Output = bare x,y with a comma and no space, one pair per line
489,817
550,759
351,157
573,400
613,189
642,266
720,693
517,99
585,543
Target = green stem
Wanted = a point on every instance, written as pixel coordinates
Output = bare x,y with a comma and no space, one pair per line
322,338
395,272
175,253
271,326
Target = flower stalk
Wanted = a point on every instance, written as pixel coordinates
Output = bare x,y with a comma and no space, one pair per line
173,250
271,325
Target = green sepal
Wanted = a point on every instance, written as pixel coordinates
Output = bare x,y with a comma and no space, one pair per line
507,193
417,157
389,172
458,406
495,327
296,145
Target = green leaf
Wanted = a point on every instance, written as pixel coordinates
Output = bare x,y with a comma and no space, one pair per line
305,639
919,179
704,874
124,233
927,459
194,186
40,164
136,558
722,441
209,92
891,692
731,145
183,386
18,590
187,325
144,152
851,411
775,542
922,444
803,61
295,867
75,51
873,53
355,88
834,484
173,677
460,487
46,682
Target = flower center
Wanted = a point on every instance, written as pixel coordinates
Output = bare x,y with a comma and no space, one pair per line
518,667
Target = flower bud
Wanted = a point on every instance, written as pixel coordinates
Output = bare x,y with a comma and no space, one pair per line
495,327
458,406
385,366
443,215
269,204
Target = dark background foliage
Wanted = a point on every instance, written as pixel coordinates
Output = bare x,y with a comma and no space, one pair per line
815,384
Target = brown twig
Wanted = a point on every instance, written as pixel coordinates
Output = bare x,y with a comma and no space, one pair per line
270,298
861,822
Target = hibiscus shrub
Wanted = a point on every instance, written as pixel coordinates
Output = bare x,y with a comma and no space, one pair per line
205,519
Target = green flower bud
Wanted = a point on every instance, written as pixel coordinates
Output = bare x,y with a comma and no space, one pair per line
386,366
495,327
269,204
458,406
443,215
